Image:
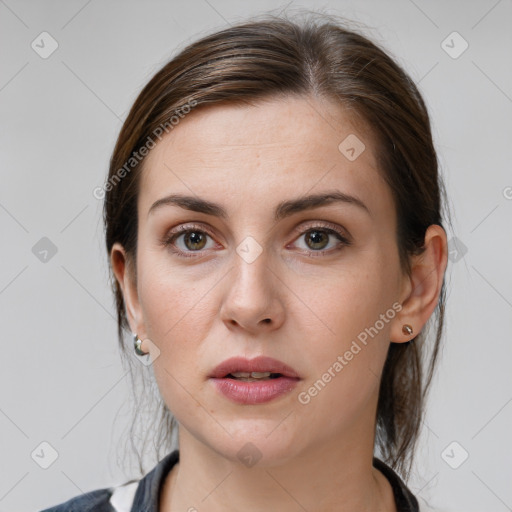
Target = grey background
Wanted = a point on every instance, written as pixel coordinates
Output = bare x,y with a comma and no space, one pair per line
60,373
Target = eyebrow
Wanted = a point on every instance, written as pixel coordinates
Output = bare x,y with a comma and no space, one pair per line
283,209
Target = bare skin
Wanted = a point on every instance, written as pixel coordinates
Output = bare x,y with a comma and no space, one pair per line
299,301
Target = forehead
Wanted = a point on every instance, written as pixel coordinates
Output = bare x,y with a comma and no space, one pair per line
302,144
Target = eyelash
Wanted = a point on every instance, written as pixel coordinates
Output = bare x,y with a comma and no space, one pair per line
170,238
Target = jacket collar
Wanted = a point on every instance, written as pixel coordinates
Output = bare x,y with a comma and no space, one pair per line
148,491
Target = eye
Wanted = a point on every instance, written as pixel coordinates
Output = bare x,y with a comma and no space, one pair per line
187,239
318,238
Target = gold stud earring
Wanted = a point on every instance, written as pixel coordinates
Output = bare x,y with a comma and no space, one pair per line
407,329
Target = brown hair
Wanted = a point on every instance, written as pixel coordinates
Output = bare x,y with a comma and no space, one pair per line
274,56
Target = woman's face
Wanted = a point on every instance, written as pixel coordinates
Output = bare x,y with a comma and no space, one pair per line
314,284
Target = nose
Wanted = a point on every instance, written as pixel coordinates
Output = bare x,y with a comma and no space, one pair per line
253,300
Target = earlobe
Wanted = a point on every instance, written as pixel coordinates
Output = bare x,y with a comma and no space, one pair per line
423,286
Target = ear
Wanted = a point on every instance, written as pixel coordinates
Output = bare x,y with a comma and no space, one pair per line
420,291
125,274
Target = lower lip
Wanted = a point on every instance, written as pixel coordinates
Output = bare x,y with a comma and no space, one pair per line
250,393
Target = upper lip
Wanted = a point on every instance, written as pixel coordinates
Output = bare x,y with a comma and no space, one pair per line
258,364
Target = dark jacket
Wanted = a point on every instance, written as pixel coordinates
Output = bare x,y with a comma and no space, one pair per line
143,495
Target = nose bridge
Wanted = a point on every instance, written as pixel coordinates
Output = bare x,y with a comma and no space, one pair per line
252,298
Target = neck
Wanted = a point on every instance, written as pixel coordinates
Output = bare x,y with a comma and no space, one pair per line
330,476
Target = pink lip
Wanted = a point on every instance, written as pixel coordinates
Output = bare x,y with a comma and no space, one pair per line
254,392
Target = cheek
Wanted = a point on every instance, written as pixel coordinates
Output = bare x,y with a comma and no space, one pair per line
174,312
344,368
356,311
353,299
176,320
170,296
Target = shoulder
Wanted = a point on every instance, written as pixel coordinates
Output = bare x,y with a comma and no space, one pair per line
138,494
93,501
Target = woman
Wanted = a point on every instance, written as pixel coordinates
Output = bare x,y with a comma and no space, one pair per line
273,221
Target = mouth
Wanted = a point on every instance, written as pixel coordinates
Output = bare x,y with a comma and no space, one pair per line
253,376
254,381
259,368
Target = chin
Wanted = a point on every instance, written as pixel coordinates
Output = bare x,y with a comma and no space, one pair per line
257,443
